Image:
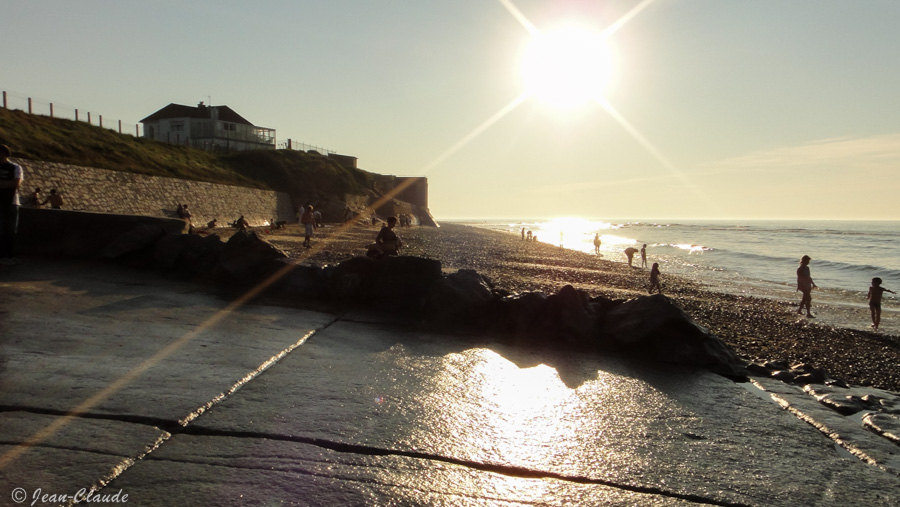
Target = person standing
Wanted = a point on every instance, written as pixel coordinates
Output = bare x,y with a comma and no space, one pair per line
308,219
654,279
10,181
597,243
805,285
644,256
874,297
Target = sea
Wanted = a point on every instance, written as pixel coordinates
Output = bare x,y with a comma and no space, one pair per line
753,258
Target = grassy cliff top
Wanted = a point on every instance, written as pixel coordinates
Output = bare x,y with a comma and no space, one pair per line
298,173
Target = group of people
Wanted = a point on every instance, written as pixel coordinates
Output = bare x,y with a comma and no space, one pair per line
528,236
55,199
805,285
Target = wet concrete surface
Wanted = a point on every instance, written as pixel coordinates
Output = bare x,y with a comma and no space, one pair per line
130,383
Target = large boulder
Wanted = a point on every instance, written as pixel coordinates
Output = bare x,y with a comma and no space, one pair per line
573,317
461,297
293,280
658,329
401,283
138,238
390,283
246,256
84,233
348,281
188,253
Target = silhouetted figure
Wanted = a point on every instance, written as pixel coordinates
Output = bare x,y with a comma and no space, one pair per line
597,243
36,197
55,200
10,181
644,256
874,297
308,219
387,242
212,223
629,252
654,279
241,223
805,285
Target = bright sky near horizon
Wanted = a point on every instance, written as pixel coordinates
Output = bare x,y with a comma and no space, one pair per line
704,108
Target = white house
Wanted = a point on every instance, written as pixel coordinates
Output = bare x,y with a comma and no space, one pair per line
207,127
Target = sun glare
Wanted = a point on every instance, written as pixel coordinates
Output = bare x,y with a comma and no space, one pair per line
568,67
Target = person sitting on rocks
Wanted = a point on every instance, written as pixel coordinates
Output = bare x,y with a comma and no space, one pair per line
55,200
36,197
387,242
212,223
241,223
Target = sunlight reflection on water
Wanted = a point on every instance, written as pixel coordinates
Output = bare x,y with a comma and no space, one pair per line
488,409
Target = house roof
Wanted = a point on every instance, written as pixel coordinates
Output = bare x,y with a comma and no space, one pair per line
200,112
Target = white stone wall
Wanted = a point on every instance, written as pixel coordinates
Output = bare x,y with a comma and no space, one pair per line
101,190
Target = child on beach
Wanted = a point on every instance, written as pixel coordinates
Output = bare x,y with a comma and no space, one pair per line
654,279
874,297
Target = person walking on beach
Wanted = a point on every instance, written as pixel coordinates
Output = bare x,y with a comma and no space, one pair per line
629,252
597,243
308,219
644,256
654,279
805,285
874,297
10,181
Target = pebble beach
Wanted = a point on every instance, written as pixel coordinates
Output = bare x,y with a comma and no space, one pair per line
759,330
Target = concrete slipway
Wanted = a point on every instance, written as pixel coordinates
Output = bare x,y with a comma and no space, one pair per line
125,383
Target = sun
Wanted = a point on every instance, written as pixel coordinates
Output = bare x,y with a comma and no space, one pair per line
567,67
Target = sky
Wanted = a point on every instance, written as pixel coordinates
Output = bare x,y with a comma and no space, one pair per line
706,109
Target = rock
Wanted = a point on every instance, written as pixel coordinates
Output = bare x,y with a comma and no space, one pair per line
402,283
523,312
298,281
574,318
138,238
169,249
844,405
464,297
346,280
392,283
758,369
886,425
246,256
783,375
656,328
202,256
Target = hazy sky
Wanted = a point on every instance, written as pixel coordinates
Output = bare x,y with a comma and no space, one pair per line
715,108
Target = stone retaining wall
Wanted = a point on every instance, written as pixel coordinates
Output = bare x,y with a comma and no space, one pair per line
104,191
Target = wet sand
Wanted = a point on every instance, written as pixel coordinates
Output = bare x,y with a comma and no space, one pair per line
758,329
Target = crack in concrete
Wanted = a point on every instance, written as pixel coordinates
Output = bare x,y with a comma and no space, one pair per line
171,428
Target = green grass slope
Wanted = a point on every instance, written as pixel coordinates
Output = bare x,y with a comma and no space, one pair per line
300,174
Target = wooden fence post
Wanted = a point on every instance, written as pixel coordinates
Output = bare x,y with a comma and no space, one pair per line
4,100
51,109
101,119
120,126
76,114
89,118
29,105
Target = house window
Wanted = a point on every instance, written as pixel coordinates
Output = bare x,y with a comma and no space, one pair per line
231,127
177,127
